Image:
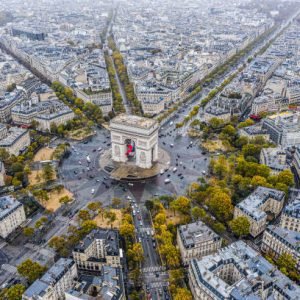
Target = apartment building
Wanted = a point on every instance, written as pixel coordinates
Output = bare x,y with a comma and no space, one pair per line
296,160
15,140
238,272
102,99
100,247
12,215
2,174
107,285
275,159
251,132
7,103
196,240
277,240
290,217
284,129
261,205
53,284
56,117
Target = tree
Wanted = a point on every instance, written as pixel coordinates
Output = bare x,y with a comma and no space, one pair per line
220,205
181,204
11,87
182,294
246,123
28,231
84,215
94,206
149,205
48,172
160,218
27,169
65,199
138,251
111,216
115,202
87,226
59,244
215,123
30,270
286,261
286,177
220,167
40,222
127,230
4,154
198,213
15,292
240,226
15,182
229,130
218,227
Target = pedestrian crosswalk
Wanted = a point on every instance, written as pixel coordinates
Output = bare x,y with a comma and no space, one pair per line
9,268
154,269
158,284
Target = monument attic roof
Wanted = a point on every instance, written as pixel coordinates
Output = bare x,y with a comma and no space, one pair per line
134,121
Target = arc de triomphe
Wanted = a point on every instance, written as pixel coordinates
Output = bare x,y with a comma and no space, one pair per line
134,140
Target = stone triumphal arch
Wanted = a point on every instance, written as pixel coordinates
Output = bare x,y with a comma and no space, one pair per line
134,140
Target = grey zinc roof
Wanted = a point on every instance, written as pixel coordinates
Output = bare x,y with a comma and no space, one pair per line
293,208
253,268
53,275
196,233
289,237
111,238
7,205
13,134
251,204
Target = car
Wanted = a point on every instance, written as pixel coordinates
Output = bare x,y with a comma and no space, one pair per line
171,145
160,291
141,223
79,162
139,217
167,180
97,180
94,150
156,275
93,191
174,170
99,149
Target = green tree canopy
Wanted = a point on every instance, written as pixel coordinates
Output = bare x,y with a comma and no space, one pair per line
30,270
240,226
